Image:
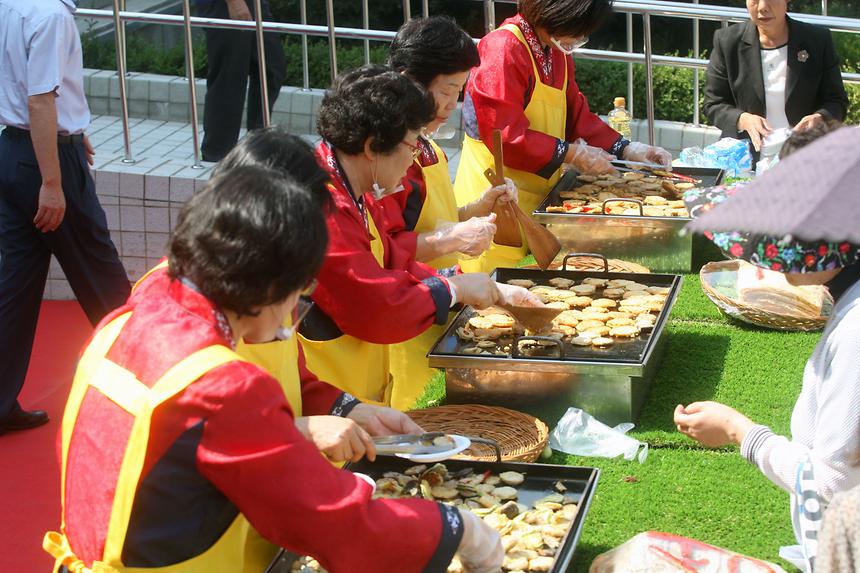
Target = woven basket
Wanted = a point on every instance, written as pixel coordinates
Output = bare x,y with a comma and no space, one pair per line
788,320
521,437
593,264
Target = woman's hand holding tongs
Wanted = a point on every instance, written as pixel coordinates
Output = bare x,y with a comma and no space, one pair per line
589,160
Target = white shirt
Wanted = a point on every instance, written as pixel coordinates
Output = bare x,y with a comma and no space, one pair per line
41,53
825,424
774,70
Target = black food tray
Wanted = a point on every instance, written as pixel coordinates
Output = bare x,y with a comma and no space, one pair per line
540,480
628,351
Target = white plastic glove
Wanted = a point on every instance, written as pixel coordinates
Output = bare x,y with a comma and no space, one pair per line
472,237
589,160
480,548
518,296
498,194
645,153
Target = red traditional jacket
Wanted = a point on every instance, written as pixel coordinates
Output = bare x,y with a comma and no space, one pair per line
382,305
403,209
228,444
318,398
499,90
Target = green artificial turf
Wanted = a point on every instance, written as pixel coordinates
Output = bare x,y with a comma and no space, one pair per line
715,497
711,495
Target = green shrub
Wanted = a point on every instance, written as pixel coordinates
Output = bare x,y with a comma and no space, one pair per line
142,56
350,55
601,82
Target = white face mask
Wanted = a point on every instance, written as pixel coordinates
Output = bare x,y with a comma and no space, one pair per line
378,192
569,48
303,307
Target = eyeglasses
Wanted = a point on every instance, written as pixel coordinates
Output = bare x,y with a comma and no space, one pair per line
416,151
570,47
303,307
309,290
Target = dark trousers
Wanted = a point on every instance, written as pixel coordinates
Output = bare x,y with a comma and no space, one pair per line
232,56
81,244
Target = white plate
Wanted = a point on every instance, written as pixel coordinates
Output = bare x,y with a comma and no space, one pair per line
460,444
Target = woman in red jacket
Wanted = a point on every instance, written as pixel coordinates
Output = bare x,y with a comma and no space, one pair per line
175,450
526,87
372,292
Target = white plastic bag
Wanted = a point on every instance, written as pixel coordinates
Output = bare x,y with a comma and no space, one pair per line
580,434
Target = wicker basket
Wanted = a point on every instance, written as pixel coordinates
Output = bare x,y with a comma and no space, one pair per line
789,318
521,437
592,263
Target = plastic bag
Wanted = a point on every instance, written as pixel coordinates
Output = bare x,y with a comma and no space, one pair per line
655,552
730,154
693,157
580,434
770,148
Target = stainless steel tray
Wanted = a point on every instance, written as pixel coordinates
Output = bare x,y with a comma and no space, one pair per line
651,241
610,384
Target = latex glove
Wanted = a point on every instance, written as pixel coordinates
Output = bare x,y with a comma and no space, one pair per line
518,296
339,439
382,421
756,126
480,548
496,195
645,153
476,289
809,121
474,236
589,160
712,424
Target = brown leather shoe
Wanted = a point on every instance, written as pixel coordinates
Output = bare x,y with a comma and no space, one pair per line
23,420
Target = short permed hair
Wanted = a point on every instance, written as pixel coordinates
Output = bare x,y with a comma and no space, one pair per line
799,139
574,18
274,148
249,239
425,48
373,102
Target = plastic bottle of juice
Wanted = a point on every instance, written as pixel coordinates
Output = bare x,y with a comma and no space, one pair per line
619,118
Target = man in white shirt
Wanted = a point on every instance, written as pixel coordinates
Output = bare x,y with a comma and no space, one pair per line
48,203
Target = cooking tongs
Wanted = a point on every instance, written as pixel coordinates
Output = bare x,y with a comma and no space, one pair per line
423,444
418,444
662,171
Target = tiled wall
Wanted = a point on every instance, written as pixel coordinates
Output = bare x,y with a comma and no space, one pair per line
141,209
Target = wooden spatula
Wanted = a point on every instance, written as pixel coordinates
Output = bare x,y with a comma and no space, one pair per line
543,244
534,318
507,227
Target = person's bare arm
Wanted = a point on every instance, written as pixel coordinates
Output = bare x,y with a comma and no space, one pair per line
238,10
43,133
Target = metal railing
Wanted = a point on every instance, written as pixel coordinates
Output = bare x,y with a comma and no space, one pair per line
646,9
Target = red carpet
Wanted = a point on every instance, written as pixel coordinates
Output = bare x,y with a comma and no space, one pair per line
29,472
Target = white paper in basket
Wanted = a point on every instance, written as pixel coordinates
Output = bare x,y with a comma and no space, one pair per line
578,433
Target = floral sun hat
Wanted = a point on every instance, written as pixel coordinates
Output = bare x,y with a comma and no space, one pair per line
785,254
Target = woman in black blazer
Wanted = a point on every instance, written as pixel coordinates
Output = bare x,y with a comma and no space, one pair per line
772,58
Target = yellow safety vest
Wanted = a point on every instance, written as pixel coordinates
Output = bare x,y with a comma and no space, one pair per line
547,113
353,365
240,548
409,359
279,358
